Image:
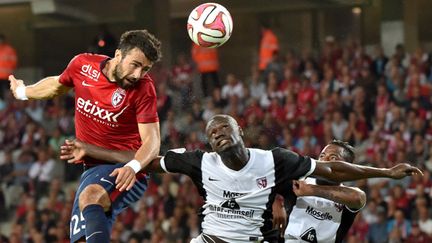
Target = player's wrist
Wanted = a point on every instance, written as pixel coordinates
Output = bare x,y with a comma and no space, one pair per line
21,92
135,165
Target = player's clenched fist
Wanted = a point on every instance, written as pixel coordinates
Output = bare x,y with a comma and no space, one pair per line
16,85
125,178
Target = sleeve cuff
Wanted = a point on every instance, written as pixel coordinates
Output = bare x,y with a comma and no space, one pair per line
311,170
162,164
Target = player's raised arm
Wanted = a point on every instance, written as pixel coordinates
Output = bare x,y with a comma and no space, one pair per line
339,171
352,197
46,88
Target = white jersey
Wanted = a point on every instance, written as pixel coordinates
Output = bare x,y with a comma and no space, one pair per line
238,203
315,219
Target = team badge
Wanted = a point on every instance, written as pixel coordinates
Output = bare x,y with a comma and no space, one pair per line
339,207
118,97
262,182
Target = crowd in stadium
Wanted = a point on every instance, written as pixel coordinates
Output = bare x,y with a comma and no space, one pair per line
301,100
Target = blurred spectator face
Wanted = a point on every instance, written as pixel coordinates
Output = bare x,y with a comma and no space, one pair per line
415,230
42,155
399,216
231,79
423,213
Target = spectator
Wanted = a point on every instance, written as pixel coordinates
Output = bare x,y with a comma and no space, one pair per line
378,230
41,172
207,62
8,63
268,46
417,235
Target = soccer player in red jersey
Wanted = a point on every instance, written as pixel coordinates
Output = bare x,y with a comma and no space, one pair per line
115,108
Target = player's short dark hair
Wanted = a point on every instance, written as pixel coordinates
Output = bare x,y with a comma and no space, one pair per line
348,153
142,39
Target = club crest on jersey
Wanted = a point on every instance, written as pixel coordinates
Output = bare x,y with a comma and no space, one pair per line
262,182
339,207
118,97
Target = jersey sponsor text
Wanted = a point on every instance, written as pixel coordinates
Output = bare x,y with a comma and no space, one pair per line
88,71
317,214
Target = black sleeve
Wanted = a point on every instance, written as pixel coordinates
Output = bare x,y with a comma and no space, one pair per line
290,165
188,163
346,222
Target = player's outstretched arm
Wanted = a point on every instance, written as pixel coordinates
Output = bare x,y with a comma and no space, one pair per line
75,150
352,197
149,150
46,88
339,171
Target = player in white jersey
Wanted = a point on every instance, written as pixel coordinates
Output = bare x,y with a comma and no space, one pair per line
239,184
323,213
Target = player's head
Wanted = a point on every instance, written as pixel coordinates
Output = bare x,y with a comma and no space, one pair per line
339,151
137,51
223,133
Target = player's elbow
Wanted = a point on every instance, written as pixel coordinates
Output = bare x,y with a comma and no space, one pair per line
358,199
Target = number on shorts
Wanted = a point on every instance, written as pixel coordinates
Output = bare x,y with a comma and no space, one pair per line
75,220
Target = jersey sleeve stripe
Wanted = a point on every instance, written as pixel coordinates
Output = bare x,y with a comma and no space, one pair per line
312,168
162,164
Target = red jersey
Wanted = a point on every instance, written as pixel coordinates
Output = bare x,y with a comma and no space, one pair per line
105,114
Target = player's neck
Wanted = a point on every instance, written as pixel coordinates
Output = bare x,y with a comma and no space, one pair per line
235,158
108,70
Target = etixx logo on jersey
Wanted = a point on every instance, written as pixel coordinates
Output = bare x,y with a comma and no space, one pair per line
262,182
90,72
118,97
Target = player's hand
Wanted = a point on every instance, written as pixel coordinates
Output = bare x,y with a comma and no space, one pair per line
14,84
125,178
301,188
73,151
279,216
400,171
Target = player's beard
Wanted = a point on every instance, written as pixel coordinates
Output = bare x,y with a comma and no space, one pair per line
121,80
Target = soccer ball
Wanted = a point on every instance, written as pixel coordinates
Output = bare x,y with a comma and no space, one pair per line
210,25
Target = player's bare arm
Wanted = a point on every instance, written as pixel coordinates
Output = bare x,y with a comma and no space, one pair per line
150,146
46,88
279,214
339,171
352,197
74,151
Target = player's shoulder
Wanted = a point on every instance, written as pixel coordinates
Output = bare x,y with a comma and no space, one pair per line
278,151
91,56
146,84
88,58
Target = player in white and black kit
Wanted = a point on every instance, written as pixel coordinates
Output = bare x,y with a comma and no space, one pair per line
239,184
323,213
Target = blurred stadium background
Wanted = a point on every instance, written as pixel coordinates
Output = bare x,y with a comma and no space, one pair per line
355,70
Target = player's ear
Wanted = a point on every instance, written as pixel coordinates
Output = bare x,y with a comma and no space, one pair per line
118,54
240,131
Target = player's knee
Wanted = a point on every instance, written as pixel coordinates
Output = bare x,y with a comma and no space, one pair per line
94,194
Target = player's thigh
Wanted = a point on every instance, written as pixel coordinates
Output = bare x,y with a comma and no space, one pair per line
96,186
94,194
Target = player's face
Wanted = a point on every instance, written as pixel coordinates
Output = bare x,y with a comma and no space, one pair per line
331,153
223,134
132,66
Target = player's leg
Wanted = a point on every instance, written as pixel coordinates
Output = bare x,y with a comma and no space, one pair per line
94,202
100,203
91,203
